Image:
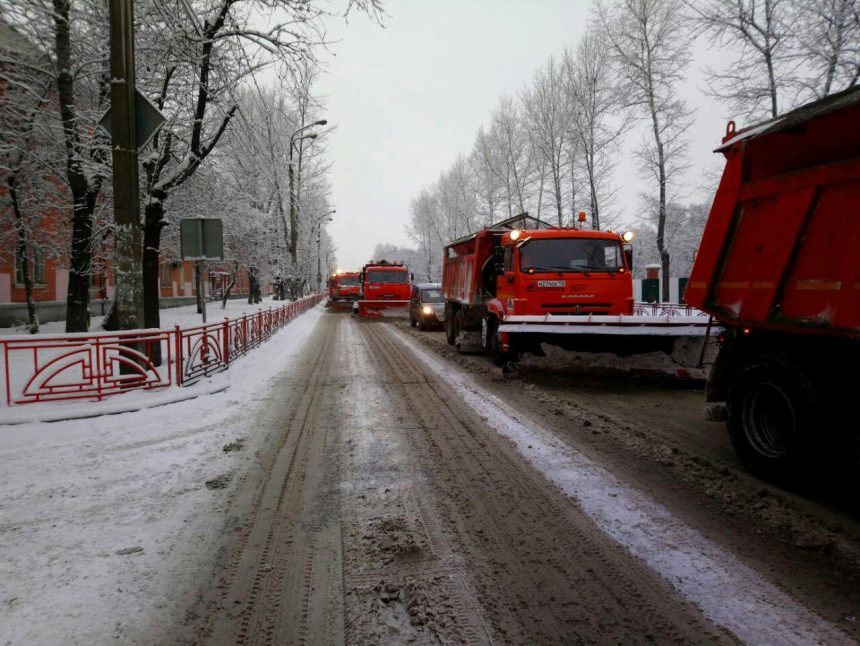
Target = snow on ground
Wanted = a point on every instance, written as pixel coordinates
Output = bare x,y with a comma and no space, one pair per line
728,592
186,315
105,522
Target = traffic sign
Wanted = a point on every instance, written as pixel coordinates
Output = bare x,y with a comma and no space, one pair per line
201,239
147,119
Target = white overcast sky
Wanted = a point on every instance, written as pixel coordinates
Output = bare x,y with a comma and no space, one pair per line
406,98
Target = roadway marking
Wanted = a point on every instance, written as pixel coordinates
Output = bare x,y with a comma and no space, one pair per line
728,592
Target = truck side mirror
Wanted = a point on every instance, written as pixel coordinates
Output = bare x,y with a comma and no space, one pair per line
628,253
412,277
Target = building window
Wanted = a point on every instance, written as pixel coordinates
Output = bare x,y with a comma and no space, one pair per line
166,275
37,267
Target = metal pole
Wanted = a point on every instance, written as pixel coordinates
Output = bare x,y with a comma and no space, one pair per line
201,294
294,233
319,252
127,255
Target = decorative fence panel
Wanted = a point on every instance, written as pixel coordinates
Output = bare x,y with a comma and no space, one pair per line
94,366
666,309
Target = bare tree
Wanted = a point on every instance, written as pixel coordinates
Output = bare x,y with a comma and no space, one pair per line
547,116
757,35
423,230
514,153
489,176
457,200
650,48
74,59
596,123
827,45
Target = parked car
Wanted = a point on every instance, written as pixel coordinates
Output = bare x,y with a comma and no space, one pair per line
426,306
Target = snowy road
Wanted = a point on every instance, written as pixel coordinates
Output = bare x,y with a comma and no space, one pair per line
360,484
404,502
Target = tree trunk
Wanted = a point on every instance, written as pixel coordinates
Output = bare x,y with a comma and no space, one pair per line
152,225
22,250
78,296
229,288
83,199
557,188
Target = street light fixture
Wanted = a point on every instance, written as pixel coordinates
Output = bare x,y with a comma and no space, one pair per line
294,233
319,246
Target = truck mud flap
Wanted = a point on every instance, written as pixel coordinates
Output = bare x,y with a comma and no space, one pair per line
470,342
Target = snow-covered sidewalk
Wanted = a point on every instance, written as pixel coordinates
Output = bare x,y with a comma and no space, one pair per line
106,522
170,317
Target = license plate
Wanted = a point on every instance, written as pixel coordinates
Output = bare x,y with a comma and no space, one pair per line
551,283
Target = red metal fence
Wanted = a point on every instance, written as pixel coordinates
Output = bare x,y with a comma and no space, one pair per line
94,366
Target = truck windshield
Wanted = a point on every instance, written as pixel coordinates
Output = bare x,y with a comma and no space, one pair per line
387,276
347,281
431,296
571,255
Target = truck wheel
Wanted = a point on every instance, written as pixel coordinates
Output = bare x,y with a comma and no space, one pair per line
458,324
494,346
449,326
770,410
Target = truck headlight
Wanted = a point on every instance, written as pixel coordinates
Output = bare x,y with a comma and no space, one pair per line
628,236
426,310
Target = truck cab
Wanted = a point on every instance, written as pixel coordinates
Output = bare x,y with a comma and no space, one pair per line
385,281
561,271
344,287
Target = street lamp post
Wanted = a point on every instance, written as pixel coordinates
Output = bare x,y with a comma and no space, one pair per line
319,246
294,233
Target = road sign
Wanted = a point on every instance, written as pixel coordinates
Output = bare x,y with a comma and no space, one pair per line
147,120
201,239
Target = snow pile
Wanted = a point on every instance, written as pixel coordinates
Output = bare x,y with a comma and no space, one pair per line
683,360
104,522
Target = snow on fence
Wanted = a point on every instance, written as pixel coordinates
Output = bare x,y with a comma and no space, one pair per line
94,366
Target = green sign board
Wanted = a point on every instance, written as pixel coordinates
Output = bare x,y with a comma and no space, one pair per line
147,120
201,239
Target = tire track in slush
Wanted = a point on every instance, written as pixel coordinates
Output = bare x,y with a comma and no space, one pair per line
728,592
544,572
266,543
386,500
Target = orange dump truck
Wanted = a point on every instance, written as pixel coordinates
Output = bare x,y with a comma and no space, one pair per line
507,291
385,290
344,288
779,267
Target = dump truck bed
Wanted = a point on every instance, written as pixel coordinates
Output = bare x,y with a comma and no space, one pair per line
781,249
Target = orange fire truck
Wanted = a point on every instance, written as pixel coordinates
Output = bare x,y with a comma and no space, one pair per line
385,289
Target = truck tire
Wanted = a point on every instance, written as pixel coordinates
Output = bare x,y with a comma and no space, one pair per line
494,344
449,326
457,325
771,409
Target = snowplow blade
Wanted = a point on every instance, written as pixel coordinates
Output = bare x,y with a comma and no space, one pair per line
383,309
343,304
678,343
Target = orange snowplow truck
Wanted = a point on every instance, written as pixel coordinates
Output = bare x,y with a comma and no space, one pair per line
344,288
779,267
385,289
507,291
